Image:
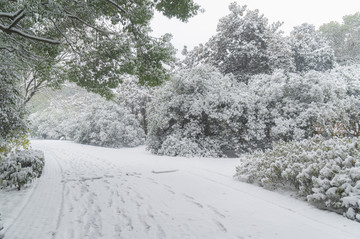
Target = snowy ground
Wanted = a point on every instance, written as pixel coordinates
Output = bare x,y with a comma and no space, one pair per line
93,192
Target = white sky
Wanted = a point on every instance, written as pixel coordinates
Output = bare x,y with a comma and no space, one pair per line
293,13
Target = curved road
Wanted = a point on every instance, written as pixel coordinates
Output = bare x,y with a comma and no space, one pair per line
92,192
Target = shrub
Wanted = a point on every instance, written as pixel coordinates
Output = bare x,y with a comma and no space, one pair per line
20,168
197,113
325,172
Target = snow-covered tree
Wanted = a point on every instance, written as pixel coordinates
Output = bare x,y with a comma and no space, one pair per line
245,45
291,106
12,123
99,39
87,118
199,112
187,115
287,106
310,49
109,125
344,38
135,98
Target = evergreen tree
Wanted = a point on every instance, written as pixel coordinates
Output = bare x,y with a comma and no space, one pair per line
245,45
199,112
12,123
311,51
344,38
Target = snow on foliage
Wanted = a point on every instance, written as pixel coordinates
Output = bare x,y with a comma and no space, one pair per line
135,98
325,172
20,168
197,113
344,38
245,45
203,113
310,49
286,106
87,118
108,125
12,122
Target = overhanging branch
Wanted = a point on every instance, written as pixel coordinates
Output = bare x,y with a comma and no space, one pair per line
87,24
117,6
11,15
19,16
26,35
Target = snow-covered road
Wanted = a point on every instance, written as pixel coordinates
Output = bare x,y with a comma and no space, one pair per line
92,192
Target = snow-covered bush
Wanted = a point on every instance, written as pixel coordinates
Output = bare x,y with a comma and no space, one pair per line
109,125
325,172
199,112
289,106
20,168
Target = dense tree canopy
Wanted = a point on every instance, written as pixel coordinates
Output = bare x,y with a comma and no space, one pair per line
98,40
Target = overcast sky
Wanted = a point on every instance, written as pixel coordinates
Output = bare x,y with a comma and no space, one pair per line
292,13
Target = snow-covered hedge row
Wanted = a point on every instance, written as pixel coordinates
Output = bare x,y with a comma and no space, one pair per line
197,113
20,168
109,125
325,172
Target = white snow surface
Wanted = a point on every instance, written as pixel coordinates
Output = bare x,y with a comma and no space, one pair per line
94,192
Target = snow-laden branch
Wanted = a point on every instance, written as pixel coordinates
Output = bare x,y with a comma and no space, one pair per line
66,39
26,35
117,6
11,15
8,48
17,17
86,23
